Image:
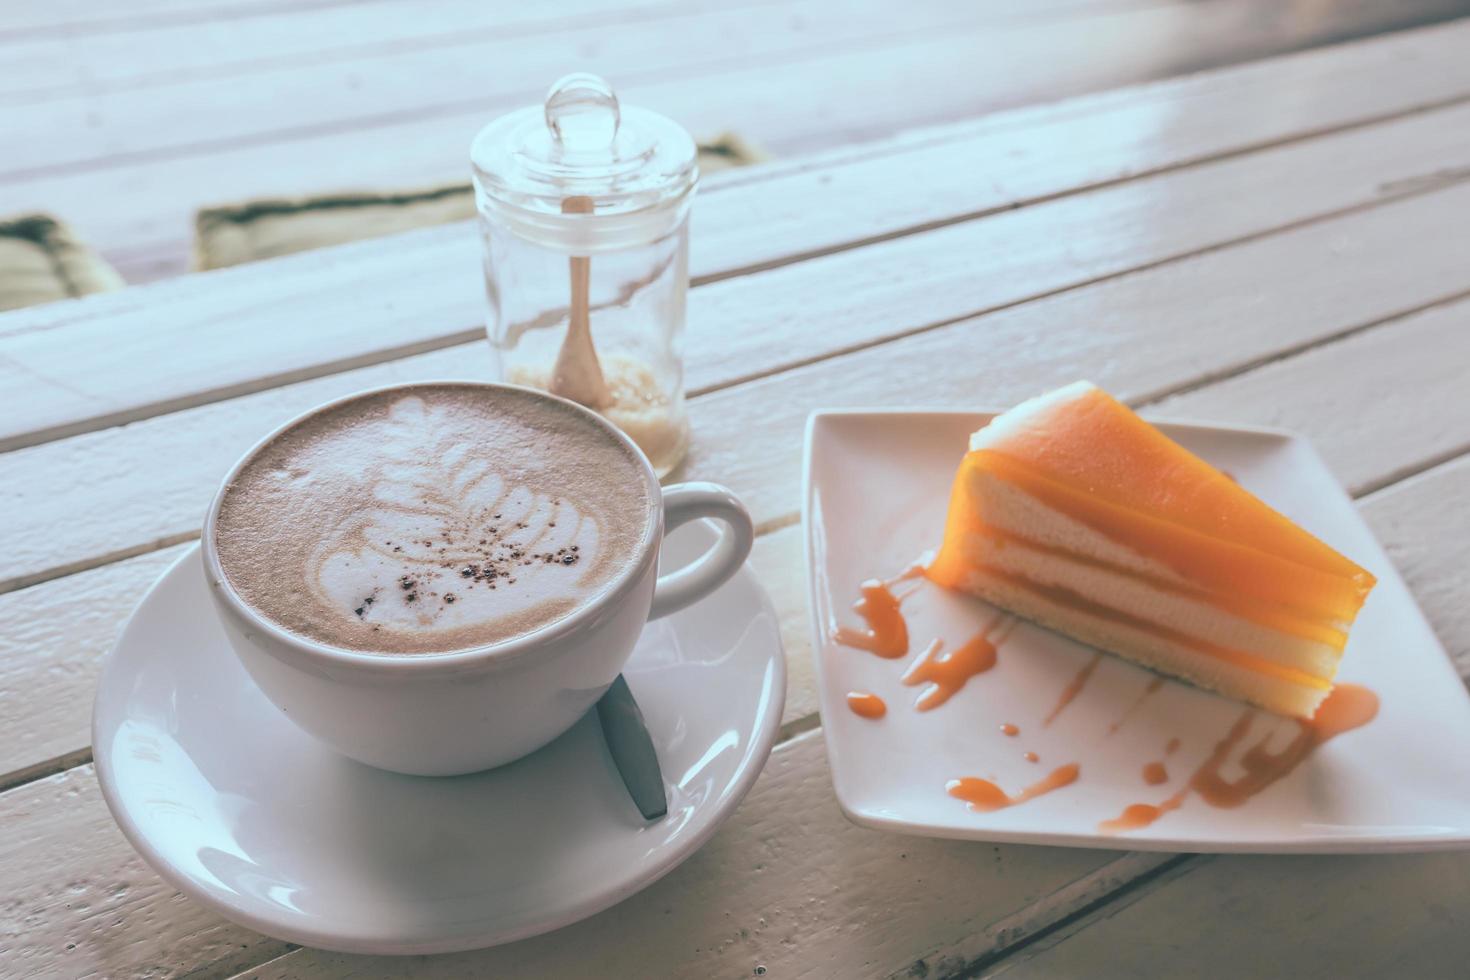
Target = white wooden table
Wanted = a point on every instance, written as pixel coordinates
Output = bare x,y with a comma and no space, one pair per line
124,116
1283,243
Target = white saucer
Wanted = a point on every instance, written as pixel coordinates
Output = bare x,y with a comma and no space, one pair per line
1396,784
239,809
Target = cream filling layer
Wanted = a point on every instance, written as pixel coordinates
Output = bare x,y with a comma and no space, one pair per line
1282,689
1137,599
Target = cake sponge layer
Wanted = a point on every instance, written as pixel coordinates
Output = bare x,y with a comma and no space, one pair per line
1149,647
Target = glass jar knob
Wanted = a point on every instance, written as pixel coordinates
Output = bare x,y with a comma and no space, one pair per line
582,113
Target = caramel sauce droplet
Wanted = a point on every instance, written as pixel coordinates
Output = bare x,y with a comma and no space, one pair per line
984,796
1073,688
946,674
1171,747
1136,817
1031,757
1154,774
887,633
1010,730
866,705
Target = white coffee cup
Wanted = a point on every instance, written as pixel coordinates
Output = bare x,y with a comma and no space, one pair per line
453,713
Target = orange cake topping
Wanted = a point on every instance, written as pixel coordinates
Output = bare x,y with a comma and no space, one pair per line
1073,512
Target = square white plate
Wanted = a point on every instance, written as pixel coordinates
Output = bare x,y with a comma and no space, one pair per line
876,491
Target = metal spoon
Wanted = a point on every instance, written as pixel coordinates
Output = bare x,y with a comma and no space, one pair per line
632,750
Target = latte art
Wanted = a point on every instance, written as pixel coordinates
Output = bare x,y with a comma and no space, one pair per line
431,518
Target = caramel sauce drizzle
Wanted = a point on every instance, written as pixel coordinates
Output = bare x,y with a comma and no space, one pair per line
1073,688
984,796
1147,693
1349,706
946,674
887,632
866,705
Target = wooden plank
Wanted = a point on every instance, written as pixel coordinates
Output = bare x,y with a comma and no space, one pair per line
63,365
78,18
1300,917
787,883
1363,396
465,73
48,67
79,902
1423,525
1191,317
147,205
1142,334
52,638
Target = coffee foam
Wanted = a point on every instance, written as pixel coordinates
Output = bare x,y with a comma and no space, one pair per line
431,519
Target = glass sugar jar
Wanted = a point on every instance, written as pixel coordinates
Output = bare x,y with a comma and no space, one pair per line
584,218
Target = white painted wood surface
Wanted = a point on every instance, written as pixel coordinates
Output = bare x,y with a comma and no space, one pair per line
51,645
139,198
1425,531
1333,279
1367,396
48,65
1299,917
465,73
83,17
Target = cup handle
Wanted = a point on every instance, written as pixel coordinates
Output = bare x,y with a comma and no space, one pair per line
686,502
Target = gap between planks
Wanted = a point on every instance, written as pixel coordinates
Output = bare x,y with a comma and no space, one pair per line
1295,350
1163,872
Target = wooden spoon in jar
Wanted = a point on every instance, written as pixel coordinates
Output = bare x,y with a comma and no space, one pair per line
578,374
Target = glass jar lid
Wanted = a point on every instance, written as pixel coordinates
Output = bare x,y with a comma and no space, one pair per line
583,154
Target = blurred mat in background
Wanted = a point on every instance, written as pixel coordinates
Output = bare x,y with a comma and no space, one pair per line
42,261
238,233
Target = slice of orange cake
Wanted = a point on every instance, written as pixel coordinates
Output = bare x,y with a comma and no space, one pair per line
1071,511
